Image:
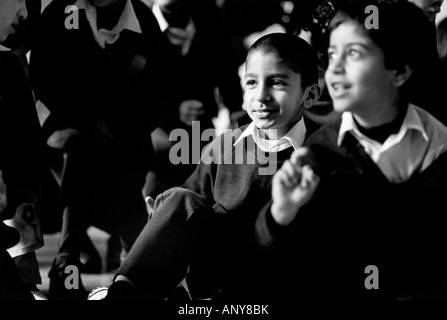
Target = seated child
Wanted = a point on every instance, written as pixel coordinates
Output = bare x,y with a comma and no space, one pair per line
203,231
358,212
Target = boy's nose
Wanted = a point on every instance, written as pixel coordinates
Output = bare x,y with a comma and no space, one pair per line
336,65
262,94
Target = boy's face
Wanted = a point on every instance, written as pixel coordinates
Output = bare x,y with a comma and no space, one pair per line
273,95
11,12
430,7
356,77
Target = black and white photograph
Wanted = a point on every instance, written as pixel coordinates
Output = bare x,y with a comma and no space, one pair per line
222,158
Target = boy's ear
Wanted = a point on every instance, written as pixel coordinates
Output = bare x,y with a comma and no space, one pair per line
402,75
311,95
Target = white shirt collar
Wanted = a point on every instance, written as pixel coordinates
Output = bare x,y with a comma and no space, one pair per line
3,48
411,122
128,20
294,137
159,16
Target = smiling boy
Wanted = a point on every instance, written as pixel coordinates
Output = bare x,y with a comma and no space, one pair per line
203,231
270,93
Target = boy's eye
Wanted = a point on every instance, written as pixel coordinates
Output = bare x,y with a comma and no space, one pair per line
278,83
354,53
250,82
331,55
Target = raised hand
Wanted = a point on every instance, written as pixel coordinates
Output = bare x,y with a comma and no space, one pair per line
293,186
191,110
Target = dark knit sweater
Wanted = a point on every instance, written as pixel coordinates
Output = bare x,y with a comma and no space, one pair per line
237,192
232,181
355,219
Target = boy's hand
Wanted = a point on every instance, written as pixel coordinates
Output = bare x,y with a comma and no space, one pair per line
292,187
190,110
60,138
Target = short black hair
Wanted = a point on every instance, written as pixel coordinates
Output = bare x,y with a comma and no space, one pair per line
294,52
403,33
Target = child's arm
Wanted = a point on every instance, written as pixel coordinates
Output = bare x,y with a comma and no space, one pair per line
292,187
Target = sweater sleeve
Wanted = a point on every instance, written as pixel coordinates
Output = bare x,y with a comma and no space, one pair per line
267,232
201,181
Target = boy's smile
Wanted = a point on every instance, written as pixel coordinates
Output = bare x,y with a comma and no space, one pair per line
273,95
340,89
262,111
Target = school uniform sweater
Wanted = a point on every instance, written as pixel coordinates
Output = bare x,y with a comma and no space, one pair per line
236,189
232,177
357,218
